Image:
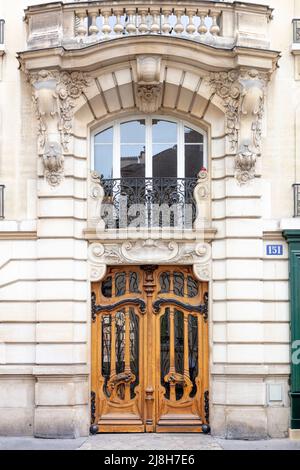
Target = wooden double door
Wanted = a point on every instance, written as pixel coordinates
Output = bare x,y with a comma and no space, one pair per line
149,351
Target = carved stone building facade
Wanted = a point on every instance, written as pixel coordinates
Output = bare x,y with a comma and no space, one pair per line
73,74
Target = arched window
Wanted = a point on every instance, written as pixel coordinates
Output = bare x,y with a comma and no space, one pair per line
149,147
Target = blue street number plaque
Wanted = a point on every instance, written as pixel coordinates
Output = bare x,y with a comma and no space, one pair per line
274,250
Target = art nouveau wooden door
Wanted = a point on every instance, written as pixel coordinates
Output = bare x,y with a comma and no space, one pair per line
150,351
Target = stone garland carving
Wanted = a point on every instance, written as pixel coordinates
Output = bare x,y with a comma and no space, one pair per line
163,252
243,94
54,97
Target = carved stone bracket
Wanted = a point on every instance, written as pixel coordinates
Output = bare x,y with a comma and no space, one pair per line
243,94
148,88
54,96
143,252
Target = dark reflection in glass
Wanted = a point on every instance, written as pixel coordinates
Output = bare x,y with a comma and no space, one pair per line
164,148
106,345
165,350
192,287
193,152
103,157
178,284
134,349
164,281
133,149
120,283
120,342
106,287
179,350
193,352
134,282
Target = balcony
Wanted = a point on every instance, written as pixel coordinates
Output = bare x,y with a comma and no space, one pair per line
2,187
82,24
145,203
296,200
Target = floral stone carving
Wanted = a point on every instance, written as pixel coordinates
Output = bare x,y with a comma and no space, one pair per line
243,94
54,96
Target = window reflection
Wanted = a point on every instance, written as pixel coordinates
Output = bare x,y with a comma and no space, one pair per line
193,147
103,158
164,148
133,149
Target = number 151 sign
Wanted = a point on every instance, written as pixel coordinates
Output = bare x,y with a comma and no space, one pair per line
274,250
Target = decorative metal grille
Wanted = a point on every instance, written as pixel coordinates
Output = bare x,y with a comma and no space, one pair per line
2,201
297,200
296,25
2,23
157,202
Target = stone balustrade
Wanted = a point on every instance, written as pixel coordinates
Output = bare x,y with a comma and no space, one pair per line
80,24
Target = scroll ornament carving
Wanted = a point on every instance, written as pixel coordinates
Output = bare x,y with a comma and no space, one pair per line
139,252
243,94
54,96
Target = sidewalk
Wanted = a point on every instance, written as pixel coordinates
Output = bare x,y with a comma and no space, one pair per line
170,442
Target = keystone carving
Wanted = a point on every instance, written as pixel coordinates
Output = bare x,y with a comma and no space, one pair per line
54,96
243,94
149,85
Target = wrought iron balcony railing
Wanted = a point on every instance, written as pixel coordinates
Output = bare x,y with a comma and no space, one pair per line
149,202
297,200
2,23
2,201
82,23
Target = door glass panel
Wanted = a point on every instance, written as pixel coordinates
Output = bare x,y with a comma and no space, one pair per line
165,350
179,351
103,157
120,284
193,147
193,352
120,342
178,284
133,149
134,350
134,283
106,348
164,148
164,281
192,287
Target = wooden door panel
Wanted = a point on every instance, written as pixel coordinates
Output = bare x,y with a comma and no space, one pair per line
150,351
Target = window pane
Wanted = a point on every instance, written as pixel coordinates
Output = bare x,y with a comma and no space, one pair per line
105,137
132,161
193,160
133,132
164,160
104,160
133,147
192,137
164,132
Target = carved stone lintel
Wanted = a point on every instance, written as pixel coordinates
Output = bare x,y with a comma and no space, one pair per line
116,253
243,95
54,96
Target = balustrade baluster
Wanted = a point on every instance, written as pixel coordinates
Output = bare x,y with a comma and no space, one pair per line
179,28
215,28
81,29
191,28
166,27
130,27
143,27
118,27
155,27
93,29
106,29
202,29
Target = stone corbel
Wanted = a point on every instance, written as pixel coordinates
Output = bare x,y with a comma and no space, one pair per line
243,94
148,88
54,96
96,196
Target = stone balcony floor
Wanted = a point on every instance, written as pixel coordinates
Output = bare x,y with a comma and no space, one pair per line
171,442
